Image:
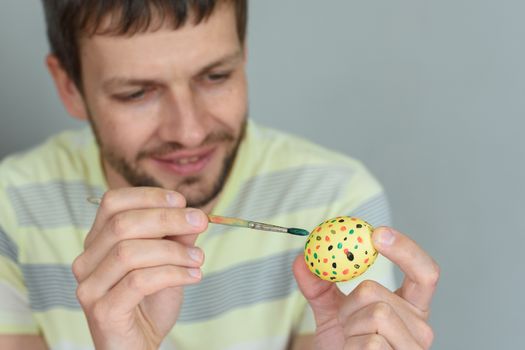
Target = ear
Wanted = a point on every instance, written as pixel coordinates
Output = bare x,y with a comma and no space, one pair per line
68,92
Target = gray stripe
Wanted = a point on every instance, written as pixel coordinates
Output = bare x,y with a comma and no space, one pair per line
50,286
247,284
375,211
54,204
268,195
54,286
8,248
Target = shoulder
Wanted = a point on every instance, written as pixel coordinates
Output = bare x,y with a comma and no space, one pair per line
42,186
281,151
61,156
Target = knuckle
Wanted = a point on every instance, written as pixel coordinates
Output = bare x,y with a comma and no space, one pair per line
135,281
381,311
433,276
427,336
108,201
78,267
366,291
118,225
82,294
375,342
122,251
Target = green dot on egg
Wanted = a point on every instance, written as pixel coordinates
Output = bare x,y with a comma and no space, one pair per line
339,245
351,232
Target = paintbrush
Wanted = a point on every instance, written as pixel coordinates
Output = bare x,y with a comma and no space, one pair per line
224,220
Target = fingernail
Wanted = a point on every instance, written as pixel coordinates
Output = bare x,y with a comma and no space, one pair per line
195,254
385,238
194,218
172,199
194,273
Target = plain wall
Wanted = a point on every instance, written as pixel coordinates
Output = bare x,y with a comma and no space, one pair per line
427,94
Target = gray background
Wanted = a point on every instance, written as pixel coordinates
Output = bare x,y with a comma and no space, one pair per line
427,94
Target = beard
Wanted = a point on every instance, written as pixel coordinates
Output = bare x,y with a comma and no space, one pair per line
194,188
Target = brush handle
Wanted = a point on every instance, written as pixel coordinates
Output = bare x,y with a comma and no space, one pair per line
223,220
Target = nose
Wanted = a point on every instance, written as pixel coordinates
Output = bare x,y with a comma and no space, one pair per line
183,118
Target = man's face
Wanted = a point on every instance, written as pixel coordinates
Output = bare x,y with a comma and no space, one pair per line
168,106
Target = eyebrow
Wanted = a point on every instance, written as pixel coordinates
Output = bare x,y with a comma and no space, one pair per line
124,81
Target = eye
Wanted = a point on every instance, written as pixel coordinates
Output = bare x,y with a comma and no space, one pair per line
218,77
133,96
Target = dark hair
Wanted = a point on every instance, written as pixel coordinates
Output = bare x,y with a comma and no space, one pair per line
68,20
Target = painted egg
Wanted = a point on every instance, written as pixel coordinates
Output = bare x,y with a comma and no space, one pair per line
340,249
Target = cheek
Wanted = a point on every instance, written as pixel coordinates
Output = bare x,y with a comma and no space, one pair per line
124,136
227,104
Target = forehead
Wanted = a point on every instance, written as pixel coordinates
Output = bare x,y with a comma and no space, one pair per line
192,44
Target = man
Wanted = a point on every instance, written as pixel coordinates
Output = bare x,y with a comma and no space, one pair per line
163,86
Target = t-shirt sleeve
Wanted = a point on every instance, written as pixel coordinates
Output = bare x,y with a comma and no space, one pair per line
15,314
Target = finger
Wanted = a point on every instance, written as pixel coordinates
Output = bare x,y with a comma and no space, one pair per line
132,255
380,318
122,199
135,286
368,341
370,292
143,224
421,271
324,297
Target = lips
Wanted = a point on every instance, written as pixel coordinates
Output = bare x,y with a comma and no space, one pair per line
185,163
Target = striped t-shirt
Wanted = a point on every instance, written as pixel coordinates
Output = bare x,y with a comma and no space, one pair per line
248,297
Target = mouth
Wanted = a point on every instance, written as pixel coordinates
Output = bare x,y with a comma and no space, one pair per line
186,163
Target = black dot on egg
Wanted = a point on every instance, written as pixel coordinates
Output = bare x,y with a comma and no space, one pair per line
319,260
342,220
366,252
345,239
334,265
312,264
357,266
332,278
330,247
350,256
318,238
359,226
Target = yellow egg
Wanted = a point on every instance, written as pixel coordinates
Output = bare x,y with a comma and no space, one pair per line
340,249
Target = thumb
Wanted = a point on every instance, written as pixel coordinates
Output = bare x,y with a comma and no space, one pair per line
324,297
